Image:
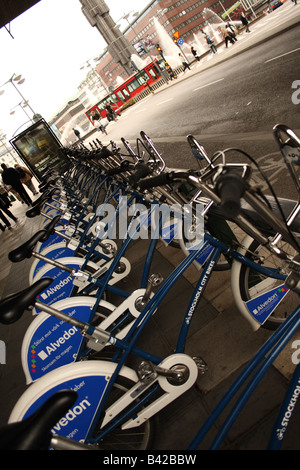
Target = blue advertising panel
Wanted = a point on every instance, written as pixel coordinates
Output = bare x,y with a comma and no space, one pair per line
77,421
263,306
54,343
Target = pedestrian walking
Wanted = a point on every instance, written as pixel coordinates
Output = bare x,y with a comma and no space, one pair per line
96,118
170,71
11,177
211,44
77,133
245,22
110,112
26,178
227,38
6,210
231,32
184,63
5,196
194,52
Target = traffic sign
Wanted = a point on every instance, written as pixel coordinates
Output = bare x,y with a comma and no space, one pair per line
180,41
176,34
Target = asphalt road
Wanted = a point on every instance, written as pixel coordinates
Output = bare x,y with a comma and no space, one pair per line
235,103
244,94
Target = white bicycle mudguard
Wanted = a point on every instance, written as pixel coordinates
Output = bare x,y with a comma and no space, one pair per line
89,379
50,343
54,251
265,297
60,250
63,281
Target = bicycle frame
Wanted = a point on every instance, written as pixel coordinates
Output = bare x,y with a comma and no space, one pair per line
127,345
267,354
130,412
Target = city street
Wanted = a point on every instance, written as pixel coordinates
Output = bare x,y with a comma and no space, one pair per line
228,103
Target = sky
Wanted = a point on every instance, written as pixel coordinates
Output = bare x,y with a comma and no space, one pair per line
52,40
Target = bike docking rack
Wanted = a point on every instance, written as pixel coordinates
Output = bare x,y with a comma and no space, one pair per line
108,334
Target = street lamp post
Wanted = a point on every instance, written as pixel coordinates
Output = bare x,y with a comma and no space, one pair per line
22,105
19,80
95,74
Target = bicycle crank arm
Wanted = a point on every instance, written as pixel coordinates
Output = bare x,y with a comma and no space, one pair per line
171,386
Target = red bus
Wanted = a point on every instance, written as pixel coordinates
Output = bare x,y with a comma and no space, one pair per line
129,88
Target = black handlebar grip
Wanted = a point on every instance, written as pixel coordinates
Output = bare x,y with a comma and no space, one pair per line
159,180
124,166
230,189
104,153
141,170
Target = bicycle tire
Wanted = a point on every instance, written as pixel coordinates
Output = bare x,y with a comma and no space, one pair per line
64,378
248,284
139,438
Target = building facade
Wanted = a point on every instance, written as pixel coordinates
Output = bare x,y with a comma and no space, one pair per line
185,18
128,49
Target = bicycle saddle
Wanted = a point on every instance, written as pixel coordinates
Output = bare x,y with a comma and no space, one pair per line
33,212
13,306
25,250
50,228
34,433
44,197
45,186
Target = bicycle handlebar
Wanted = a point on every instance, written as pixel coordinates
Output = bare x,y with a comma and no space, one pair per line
159,180
141,171
124,166
230,188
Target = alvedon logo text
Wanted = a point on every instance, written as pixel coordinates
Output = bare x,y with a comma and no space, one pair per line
67,334
72,414
56,288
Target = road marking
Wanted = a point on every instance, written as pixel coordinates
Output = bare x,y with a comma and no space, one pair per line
162,102
282,55
208,84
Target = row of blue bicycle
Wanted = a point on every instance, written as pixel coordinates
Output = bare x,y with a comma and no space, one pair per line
90,382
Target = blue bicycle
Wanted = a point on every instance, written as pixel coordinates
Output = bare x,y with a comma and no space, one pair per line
116,401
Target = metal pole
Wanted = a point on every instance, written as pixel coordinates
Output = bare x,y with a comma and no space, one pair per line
26,101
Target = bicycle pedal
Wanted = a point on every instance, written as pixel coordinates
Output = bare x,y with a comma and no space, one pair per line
155,280
201,365
146,372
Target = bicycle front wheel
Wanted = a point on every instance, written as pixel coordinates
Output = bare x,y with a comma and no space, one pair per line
89,379
139,438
